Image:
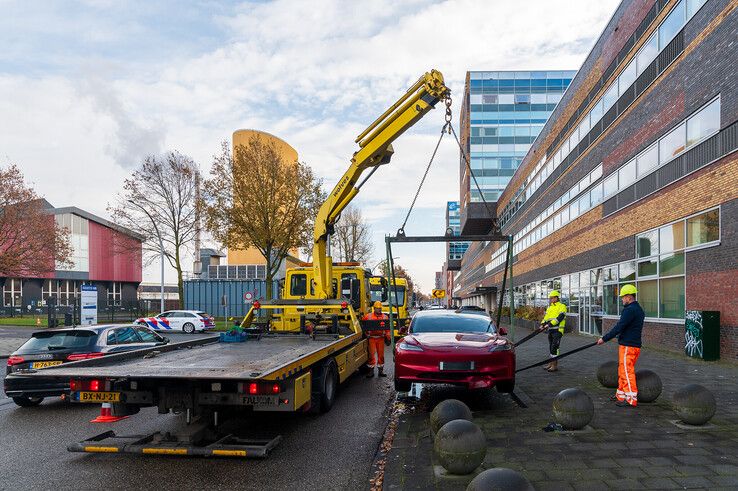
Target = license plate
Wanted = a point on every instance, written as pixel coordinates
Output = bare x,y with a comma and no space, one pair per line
457,365
271,401
44,364
99,397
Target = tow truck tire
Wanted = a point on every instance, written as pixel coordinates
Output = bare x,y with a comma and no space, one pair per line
326,387
24,401
189,328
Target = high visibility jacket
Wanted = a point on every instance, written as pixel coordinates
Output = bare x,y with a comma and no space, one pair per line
556,315
373,317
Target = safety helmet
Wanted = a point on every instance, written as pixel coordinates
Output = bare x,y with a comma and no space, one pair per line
554,293
377,304
628,290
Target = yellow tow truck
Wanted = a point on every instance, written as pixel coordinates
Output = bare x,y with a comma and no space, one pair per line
312,342
378,287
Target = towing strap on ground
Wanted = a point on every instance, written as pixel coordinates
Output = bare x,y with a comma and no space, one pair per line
563,355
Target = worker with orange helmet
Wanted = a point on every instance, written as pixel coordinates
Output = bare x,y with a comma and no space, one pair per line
628,330
377,340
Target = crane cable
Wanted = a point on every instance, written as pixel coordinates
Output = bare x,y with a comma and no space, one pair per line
447,128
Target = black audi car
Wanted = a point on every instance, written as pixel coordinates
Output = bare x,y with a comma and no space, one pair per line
53,347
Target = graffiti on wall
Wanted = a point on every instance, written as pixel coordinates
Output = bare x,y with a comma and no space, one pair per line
693,333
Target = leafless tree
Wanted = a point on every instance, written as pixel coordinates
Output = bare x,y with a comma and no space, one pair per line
352,237
159,202
31,243
256,198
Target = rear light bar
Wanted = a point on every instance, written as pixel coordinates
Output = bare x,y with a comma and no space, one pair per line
83,356
93,385
262,388
15,360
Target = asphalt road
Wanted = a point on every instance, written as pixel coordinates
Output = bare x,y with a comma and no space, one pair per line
331,451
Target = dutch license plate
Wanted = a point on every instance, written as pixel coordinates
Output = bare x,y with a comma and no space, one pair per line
271,401
457,365
99,397
44,364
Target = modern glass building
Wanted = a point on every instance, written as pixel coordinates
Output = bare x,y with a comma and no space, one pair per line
503,113
453,222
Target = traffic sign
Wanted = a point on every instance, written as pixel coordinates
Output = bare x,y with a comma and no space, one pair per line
439,293
248,296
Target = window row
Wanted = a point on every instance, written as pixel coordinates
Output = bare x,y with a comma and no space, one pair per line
551,97
669,27
507,130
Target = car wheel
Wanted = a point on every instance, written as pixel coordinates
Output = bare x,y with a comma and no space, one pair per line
506,387
189,328
402,385
24,401
324,394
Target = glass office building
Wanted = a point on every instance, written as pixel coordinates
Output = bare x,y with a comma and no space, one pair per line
502,115
453,221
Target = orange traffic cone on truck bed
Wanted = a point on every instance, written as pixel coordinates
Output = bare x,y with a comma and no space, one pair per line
106,414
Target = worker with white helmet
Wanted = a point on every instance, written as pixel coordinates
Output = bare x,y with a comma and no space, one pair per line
628,330
555,321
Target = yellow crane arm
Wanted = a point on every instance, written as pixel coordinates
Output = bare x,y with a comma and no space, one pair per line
375,149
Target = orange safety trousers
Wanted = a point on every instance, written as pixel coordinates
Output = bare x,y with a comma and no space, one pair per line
376,349
627,388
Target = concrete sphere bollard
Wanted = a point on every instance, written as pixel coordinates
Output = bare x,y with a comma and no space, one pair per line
500,479
607,374
573,409
649,385
694,404
460,446
448,410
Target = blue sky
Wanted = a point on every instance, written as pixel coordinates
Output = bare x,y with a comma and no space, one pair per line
87,89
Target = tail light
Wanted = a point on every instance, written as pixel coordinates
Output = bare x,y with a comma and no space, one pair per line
93,385
83,356
255,388
15,360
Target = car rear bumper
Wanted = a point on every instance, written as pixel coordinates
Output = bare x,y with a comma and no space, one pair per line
484,375
34,387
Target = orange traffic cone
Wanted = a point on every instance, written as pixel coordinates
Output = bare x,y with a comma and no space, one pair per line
106,415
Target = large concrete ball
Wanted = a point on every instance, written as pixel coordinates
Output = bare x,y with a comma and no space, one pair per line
500,479
649,385
573,409
448,410
607,374
460,446
694,404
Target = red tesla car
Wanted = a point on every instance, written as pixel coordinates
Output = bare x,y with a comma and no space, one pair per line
454,347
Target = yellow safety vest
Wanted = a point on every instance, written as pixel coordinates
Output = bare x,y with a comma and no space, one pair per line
553,312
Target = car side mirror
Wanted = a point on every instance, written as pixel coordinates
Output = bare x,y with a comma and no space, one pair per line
503,331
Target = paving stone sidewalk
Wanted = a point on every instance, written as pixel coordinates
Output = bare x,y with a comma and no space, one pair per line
622,449
11,337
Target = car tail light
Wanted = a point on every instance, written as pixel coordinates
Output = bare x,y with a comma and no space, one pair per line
276,389
93,385
255,388
15,360
83,356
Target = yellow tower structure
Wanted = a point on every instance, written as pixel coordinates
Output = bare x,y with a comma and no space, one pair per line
252,256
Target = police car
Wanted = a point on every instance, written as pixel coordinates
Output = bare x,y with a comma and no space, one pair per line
188,321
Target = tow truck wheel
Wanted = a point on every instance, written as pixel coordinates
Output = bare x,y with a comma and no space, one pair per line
189,328
327,385
24,401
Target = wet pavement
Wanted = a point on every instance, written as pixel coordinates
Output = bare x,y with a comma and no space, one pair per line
622,448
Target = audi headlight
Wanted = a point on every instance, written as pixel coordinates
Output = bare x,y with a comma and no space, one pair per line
403,346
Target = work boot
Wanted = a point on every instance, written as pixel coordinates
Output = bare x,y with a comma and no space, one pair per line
371,373
381,372
554,366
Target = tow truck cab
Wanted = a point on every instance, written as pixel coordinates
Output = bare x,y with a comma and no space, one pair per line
399,300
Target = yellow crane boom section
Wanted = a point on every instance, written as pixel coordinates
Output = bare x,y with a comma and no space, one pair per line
375,149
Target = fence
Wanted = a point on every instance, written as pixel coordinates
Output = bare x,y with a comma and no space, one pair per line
224,298
35,312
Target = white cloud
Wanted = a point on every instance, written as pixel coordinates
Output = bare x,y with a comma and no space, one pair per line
314,73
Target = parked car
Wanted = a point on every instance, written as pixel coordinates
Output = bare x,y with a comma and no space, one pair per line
452,347
189,321
472,309
53,347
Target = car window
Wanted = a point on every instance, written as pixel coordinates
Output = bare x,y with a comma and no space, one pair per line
165,314
49,341
204,314
126,335
188,314
452,323
148,336
111,338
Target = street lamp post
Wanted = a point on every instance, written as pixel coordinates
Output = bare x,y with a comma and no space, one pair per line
161,251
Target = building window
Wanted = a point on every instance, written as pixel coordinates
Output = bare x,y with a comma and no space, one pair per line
648,297
671,25
703,123
672,144
703,228
648,160
13,292
114,289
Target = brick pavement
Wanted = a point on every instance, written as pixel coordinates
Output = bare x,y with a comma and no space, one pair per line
622,449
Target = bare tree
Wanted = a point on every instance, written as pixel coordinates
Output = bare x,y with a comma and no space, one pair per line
256,198
31,243
352,237
159,202
400,272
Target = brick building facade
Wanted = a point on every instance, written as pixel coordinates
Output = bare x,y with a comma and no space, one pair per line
634,179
